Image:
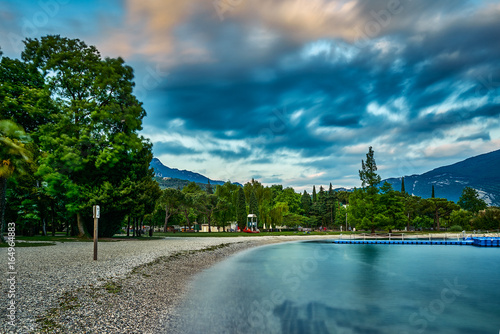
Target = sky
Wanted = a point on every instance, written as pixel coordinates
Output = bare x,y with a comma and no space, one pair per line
293,92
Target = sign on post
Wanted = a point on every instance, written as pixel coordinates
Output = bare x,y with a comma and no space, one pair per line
97,214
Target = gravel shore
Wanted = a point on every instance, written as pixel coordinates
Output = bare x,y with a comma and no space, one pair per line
132,288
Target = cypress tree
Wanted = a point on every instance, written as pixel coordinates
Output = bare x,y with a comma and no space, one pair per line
254,204
241,209
305,202
368,174
209,188
314,197
433,195
403,185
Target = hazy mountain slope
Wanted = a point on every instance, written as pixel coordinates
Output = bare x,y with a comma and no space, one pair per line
481,172
163,171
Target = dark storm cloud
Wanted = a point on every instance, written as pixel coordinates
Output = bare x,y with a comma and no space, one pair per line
476,136
422,75
172,147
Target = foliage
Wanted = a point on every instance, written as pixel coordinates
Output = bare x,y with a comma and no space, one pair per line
241,209
14,156
368,173
470,201
80,110
462,218
455,228
488,219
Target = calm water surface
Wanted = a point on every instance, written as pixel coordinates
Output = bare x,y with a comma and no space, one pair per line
314,287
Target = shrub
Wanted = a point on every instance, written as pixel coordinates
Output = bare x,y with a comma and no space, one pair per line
455,228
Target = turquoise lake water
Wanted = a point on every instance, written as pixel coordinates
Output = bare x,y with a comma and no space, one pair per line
315,287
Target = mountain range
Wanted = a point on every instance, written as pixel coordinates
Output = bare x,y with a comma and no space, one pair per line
481,172
163,171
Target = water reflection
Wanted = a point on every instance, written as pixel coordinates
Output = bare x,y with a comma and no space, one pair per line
329,288
320,318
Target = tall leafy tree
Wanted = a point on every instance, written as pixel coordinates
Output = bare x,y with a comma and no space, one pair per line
169,202
226,203
439,208
364,204
96,122
241,209
13,158
209,189
314,195
206,204
470,200
368,173
305,203
363,209
403,191
254,205
392,207
433,194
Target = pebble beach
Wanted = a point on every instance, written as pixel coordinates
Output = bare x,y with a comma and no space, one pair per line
133,287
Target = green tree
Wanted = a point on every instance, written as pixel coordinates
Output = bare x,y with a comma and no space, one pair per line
241,209
314,196
391,207
439,208
95,125
206,204
368,173
433,194
411,207
291,198
13,158
487,220
462,218
191,188
279,210
306,203
362,210
209,189
470,201
254,205
169,202
403,191
225,210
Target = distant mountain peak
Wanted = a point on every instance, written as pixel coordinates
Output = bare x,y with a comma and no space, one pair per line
163,171
479,172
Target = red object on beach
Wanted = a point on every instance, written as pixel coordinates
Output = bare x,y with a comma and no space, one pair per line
247,230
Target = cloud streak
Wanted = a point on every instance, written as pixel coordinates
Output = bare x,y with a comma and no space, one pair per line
288,89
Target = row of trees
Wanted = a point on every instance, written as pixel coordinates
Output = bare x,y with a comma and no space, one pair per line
70,122
372,207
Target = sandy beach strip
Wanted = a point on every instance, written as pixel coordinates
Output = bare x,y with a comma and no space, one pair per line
132,288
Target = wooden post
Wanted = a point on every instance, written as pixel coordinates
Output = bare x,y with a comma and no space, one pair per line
96,211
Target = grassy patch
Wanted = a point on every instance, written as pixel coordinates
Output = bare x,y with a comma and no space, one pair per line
47,323
112,287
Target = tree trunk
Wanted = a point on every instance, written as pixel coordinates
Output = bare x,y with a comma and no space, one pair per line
167,216
44,227
134,229
52,218
128,227
3,189
81,227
